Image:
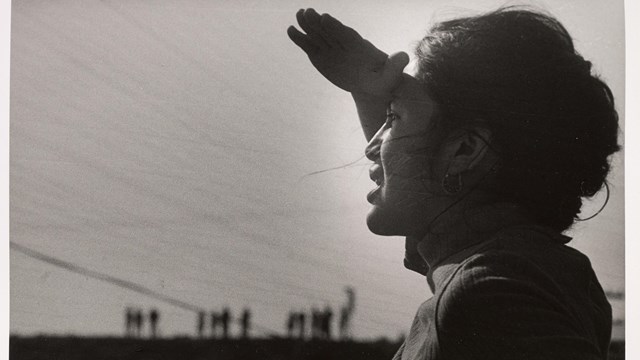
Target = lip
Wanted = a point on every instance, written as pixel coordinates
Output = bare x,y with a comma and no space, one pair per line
373,195
376,174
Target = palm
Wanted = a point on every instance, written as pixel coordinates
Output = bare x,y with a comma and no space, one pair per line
342,56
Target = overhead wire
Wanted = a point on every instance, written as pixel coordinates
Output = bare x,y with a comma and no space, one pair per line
117,281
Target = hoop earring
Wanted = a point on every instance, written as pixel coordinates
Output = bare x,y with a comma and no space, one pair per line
452,186
606,201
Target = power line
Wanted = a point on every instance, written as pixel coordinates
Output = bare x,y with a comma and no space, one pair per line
116,281
104,277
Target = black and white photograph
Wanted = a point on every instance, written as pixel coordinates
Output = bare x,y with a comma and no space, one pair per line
316,180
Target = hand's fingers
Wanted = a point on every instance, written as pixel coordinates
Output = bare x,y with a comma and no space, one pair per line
313,19
304,25
327,35
343,34
312,34
302,40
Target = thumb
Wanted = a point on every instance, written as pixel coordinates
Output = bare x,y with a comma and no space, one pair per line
394,66
398,60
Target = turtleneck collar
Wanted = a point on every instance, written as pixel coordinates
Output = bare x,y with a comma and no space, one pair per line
455,236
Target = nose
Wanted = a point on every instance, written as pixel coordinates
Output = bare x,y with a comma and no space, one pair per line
372,151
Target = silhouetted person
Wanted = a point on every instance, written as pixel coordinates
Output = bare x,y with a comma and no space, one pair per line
200,326
245,323
327,314
225,317
215,320
129,319
154,317
345,317
139,322
301,324
346,313
315,323
292,320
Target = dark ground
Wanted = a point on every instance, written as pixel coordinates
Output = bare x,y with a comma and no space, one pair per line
72,348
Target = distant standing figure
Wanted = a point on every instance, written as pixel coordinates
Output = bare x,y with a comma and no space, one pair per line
245,323
316,323
327,314
225,318
346,313
129,317
200,325
139,322
291,322
301,324
154,317
215,320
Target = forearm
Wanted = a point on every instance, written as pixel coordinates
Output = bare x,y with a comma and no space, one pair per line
372,111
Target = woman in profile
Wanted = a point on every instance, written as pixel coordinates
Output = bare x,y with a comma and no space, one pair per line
481,160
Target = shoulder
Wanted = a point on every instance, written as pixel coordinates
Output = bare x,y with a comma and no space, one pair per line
520,259
513,296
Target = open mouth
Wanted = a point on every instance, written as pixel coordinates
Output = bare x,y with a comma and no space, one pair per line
377,175
373,195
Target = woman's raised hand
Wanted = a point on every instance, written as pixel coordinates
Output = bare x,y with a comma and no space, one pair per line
346,59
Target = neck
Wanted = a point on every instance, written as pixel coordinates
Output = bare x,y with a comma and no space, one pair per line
470,221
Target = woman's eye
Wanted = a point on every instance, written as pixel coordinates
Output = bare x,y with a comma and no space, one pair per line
391,116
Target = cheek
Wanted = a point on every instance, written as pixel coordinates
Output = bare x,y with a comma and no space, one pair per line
406,154
406,172
412,191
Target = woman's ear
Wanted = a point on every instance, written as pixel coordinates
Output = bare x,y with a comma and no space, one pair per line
466,148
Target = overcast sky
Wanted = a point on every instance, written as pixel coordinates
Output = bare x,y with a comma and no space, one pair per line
179,145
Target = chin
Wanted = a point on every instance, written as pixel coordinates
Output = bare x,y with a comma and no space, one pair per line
383,224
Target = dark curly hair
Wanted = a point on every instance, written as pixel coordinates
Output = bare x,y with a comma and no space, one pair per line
553,123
